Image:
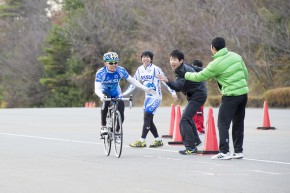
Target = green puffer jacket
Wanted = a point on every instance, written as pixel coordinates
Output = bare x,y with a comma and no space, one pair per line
230,71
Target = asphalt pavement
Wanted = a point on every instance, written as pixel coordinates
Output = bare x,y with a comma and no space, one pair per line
58,150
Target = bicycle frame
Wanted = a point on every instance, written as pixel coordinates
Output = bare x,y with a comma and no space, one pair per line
114,126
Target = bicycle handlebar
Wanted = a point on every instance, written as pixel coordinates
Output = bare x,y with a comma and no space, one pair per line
118,99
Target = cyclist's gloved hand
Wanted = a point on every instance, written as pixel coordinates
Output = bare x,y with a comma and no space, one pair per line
103,97
121,95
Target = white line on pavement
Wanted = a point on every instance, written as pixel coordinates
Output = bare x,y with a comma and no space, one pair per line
88,142
48,138
265,172
267,161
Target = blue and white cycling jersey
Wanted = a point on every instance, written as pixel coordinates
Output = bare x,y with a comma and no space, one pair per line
148,77
110,80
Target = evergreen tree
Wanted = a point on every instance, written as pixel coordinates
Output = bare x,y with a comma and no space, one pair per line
61,70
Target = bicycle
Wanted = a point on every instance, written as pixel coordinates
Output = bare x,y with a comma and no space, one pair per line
114,126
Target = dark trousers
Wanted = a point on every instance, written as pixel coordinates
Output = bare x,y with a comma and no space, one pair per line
232,109
187,126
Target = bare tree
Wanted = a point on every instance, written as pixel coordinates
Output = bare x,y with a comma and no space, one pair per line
23,38
255,29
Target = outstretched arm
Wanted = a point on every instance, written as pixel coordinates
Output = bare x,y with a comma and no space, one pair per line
173,93
177,85
207,73
161,77
130,88
141,86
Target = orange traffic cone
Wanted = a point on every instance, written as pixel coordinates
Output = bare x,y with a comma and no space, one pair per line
266,119
210,144
177,139
92,104
171,126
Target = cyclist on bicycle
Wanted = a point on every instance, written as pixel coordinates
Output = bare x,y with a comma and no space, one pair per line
107,85
147,74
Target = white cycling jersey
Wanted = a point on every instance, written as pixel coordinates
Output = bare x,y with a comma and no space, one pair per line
148,77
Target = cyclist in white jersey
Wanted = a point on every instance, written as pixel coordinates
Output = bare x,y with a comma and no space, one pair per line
107,85
146,73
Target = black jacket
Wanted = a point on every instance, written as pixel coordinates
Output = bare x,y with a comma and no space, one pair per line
188,88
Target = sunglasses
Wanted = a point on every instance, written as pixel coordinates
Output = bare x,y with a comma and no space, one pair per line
111,63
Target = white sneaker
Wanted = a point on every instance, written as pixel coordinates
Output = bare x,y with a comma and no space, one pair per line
222,156
237,156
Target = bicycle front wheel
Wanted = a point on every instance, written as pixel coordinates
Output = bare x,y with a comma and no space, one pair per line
107,143
118,134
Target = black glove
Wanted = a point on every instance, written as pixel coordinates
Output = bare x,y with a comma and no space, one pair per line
180,73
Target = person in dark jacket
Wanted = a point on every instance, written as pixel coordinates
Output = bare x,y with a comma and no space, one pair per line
198,118
196,94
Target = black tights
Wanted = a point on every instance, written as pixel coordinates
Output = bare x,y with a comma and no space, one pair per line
121,108
149,126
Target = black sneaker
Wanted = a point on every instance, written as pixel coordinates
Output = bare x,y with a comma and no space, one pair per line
188,151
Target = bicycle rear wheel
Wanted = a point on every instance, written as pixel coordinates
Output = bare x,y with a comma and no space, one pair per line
107,143
118,134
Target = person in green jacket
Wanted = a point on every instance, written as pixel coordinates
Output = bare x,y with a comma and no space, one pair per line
231,74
